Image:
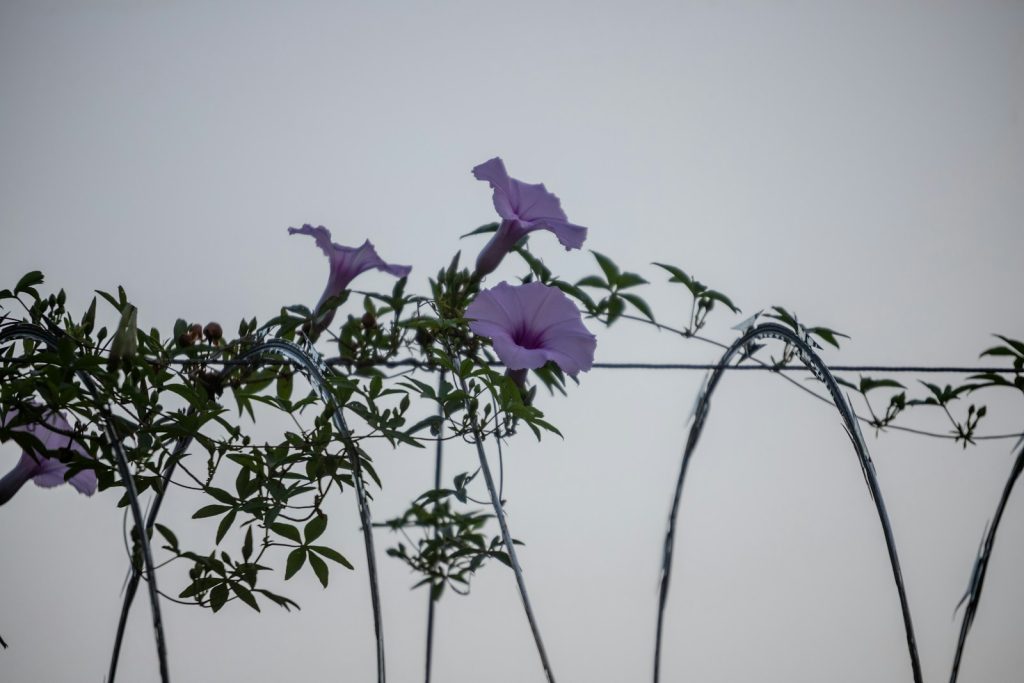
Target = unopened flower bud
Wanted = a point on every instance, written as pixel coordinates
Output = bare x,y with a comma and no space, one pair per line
195,331
369,321
213,332
184,339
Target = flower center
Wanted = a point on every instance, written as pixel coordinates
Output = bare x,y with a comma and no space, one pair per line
527,338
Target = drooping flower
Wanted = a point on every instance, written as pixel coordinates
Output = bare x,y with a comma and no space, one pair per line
40,467
532,324
346,264
523,208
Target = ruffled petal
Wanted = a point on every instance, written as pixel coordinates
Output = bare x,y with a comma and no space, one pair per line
493,172
524,208
531,324
45,471
321,234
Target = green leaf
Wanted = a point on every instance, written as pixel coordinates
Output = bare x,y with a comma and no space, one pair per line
867,384
210,511
247,545
286,530
827,334
285,383
639,304
681,277
576,293
296,559
626,280
783,315
846,383
218,596
168,535
611,271
1017,346
29,281
319,568
615,309
718,296
245,595
483,229
331,554
592,281
225,524
998,351
315,528
221,495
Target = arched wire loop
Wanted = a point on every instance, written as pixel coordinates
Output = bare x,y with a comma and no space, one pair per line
813,363
135,575
309,360
116,448
506,536
973,596
438,462
312,365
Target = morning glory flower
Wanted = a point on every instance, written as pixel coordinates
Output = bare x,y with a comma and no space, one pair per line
523,208
44,470
346,264
531,324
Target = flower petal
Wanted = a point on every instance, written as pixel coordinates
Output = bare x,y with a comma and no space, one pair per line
532,324
525,207
493,171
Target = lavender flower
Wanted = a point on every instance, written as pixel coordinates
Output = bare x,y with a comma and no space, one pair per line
38,466
523,208
346,264
532,324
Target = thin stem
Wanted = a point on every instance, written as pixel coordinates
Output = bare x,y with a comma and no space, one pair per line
973,596
818,368
505,535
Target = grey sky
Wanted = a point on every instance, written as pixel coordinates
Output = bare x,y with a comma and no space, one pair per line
861,163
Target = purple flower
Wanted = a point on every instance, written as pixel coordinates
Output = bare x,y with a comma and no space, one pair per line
532,324
38,466
346,264
523,208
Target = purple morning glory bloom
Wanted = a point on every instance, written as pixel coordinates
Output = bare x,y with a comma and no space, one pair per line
44,470
523,208
532,324
346,264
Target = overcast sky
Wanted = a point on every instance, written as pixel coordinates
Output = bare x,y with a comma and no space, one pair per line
860,163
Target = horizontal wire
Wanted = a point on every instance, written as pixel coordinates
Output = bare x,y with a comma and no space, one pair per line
335,362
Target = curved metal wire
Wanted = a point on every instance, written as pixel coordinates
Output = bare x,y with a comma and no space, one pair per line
311,362
438,462
135,575
309,359
42,336
821,371
506,536
973,596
